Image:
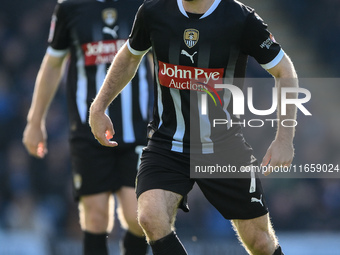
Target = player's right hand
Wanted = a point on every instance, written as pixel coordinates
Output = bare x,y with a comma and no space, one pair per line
279,154
34,140
102,128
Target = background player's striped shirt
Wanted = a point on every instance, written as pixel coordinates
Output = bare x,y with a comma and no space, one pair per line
110,23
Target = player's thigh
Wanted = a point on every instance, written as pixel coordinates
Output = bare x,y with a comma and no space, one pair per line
163,170
162,181
256,230
127,206
96,211
98,201
159,206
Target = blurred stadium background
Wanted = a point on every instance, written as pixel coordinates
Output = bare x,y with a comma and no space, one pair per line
37,212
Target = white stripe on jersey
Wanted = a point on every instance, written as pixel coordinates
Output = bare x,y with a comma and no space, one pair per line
81,95
127,119
226,101
159,99
177,143
205,128
229,79
143,90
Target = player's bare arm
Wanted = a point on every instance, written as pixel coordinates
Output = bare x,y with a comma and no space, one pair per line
281,150
121,71
47,82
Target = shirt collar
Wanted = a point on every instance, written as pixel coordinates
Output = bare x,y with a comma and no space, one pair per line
207,13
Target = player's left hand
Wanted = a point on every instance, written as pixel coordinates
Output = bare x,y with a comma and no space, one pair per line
279,153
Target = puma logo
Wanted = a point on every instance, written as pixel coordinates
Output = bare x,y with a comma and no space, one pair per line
111,31
254,199
185,53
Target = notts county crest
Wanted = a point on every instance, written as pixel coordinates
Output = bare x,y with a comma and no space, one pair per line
77,180
191,37
109,16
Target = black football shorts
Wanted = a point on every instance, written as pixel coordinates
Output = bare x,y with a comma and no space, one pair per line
97,168
234,198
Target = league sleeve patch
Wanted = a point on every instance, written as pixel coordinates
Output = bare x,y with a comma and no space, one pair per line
268,42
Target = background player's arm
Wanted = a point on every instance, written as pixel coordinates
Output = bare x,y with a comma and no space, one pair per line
121,71
47,82
281,150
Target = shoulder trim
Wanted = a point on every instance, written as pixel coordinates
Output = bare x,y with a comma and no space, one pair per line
275,61
211,9
136,52
56,53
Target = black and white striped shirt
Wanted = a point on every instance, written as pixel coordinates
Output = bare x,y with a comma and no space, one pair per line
93,31
192,53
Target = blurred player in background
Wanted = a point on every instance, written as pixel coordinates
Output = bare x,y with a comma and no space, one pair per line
88,33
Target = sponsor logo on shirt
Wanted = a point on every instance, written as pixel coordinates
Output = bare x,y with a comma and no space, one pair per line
188,77
185,53
111,31
101,52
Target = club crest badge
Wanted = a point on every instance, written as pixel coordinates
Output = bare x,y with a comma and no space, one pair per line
191,37
109,16
77,180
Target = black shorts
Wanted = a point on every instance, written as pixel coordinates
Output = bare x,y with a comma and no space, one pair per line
168,170
97,168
